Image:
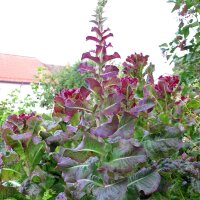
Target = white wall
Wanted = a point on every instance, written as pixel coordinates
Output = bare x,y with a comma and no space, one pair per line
25,89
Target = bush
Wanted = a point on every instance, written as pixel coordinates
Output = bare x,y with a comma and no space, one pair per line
48,85
117,138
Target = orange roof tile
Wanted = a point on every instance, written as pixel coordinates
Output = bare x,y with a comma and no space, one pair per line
18,69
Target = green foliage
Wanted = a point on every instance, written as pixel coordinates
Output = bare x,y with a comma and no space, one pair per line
14,104
184,49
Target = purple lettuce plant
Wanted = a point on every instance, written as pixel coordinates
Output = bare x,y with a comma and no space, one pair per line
119,138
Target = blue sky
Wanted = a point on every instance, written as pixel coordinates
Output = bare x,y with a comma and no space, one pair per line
54,31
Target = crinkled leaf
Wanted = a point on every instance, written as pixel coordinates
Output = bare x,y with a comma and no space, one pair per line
107,129
145,181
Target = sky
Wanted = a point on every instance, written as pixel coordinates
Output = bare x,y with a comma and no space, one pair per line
54,31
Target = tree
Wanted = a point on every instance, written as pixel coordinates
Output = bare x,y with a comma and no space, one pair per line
184,49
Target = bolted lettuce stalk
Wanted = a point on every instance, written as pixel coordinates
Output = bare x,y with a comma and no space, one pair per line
99,12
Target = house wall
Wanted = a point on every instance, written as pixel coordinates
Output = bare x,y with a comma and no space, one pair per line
25,89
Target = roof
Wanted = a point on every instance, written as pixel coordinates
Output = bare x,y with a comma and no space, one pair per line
18,69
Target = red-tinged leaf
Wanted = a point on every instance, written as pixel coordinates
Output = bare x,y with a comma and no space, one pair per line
114,81
107,129
107,36
125,131
57,138
109,75
93,38
111,68
112,110
128,66
58,104
64,162
87,55
10,126
95,29
85,67
16,121
84,92
100,48
114,98
94,85
107,58
110,71
143,105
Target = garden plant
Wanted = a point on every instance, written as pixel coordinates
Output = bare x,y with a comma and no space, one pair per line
117,138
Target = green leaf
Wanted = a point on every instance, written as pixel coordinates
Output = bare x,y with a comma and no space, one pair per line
193,104
77,155
145,180
162,147
164,117
34,153
91,144
75,119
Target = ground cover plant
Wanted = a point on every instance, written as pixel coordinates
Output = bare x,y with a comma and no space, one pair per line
115,139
